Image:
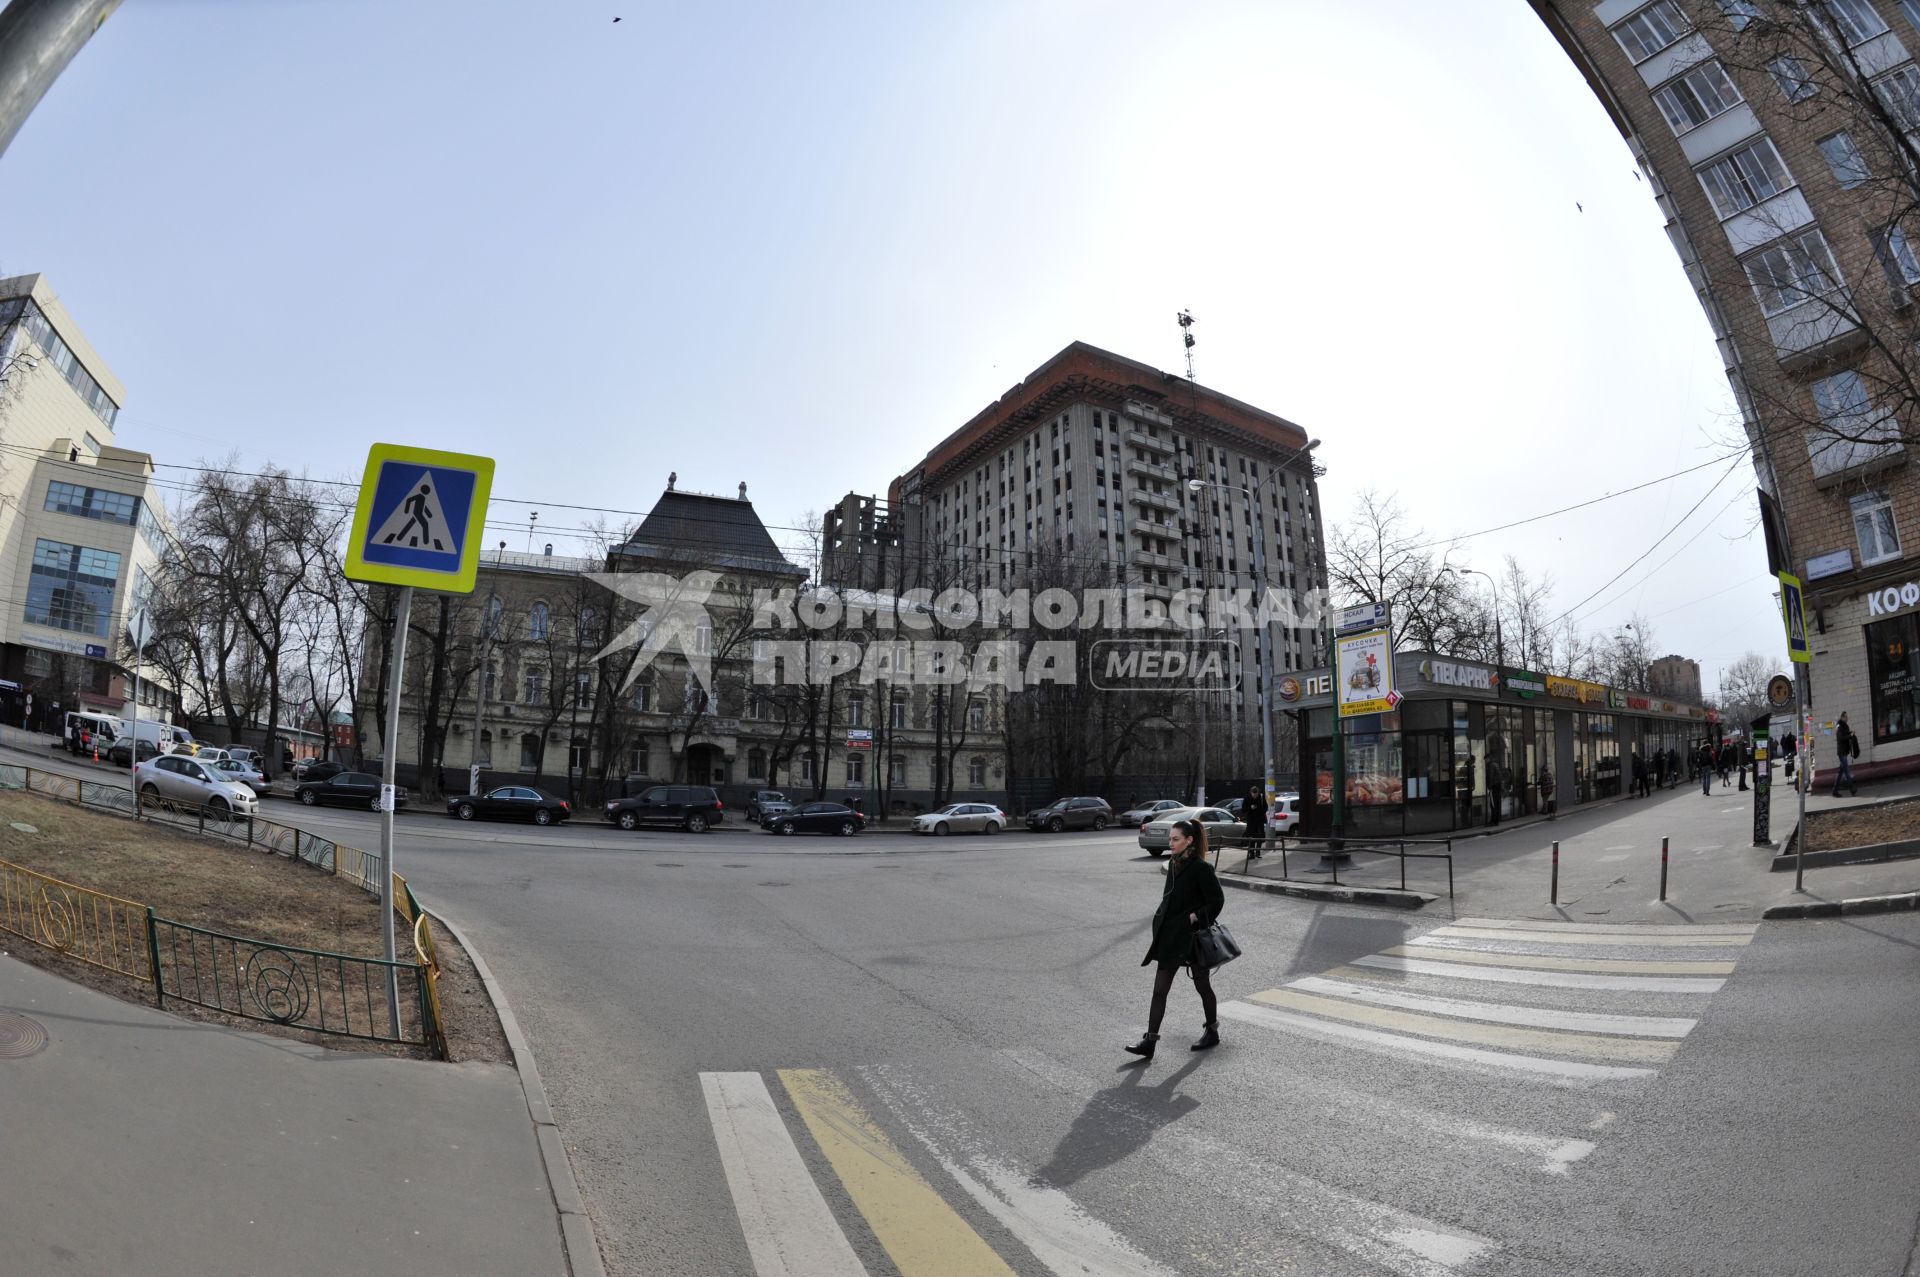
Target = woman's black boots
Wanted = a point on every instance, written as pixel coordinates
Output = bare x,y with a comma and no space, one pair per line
1208,1040
1144,1047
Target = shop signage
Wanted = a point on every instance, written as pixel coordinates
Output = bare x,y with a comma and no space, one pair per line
1575,689
1364,665
1453,674
1895,598
1829,564
1616,700
1521,683
1291,689
1638,702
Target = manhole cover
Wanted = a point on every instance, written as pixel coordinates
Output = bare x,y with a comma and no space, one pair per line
24,827
20,1036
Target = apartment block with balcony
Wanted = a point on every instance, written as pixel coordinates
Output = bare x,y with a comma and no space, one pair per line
82,527
1780,142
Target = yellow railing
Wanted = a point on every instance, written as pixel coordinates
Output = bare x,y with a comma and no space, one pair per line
77,922
407,907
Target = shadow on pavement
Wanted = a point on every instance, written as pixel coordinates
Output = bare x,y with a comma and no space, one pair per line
1119,1121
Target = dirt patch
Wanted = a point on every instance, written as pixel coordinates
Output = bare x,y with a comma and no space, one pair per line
1857,827
235,890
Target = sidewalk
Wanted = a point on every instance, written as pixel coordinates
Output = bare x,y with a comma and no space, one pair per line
1610,862
160,1146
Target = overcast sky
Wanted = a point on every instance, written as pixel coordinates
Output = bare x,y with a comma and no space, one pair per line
795,245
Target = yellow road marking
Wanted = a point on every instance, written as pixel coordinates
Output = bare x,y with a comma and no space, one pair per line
1536,1040
921,1233
1563,937
1527,961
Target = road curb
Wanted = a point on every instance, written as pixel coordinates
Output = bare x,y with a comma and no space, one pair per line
1896,903
576,1226
1388,897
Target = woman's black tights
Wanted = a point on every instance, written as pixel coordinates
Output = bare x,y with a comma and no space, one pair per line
1163,981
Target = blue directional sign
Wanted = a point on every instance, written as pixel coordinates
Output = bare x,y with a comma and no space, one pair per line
420,518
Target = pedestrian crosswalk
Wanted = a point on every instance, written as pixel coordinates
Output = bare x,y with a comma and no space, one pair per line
908,1166
1428,998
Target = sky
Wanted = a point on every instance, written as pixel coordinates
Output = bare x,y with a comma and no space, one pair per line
796,245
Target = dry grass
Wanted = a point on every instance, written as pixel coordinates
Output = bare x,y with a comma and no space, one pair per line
1863,827
229,888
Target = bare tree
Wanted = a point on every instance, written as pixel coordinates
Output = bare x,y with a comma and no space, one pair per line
1743,689
1378,556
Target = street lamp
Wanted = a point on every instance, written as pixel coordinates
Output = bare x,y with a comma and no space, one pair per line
1261,646
1499,642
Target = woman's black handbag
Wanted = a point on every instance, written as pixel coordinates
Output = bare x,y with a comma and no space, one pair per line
1214,946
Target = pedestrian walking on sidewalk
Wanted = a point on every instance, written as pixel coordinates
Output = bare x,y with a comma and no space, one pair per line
1256,809
1848,746
1673,766
1639,789
1191,899
1705,763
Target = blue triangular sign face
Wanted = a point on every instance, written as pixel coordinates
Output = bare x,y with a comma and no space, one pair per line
419,517
419,522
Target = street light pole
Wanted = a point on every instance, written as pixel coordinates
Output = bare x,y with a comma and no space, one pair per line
37,40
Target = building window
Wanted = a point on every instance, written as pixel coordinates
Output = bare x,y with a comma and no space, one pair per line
69,366
484,755
1856,19
637,759
856,768
579,755
1843,157
1745,178
539,623
856,709
1791,75
643,696
1652,29
71,587
977,773
976,717
489,681
529,752
535,690
1873,525
583,690
93,503
703,639
1893,673
1855,433
806,766
494,609
1697,97
898,717
1739,12
1895,251
756,764
1899,92
1792,270
897,770
589,628
1911,8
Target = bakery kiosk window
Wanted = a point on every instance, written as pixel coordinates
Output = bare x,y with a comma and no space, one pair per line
1893,670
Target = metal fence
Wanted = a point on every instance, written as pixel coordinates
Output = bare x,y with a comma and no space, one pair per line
77,922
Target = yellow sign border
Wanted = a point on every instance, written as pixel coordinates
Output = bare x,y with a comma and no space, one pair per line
1790,586
459,581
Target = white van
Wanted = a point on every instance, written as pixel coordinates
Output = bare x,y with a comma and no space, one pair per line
165,737
85,731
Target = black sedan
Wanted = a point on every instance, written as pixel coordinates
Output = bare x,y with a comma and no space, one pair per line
511,802
817,818
348,789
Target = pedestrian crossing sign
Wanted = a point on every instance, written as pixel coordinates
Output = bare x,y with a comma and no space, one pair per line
420,518
1793,611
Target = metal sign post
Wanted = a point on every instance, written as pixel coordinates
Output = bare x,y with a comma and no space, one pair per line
1793,613
137,631
417,524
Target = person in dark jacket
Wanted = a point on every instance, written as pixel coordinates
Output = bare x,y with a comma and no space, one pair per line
1847,745
1191,899
1256,809
1705,761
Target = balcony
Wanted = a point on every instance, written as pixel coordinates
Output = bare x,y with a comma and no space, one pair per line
1152,471
1157,500
1836,459
1812,332
1168,528
1148,559
1152,443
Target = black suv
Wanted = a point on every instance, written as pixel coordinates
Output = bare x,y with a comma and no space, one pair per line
694,808
1072,813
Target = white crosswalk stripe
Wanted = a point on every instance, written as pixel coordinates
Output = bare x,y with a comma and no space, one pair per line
1413,1000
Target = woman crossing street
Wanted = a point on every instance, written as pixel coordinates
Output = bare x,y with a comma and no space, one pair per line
1191,899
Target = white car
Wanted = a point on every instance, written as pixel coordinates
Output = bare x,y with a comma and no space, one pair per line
962,818
1147,811
194,783
1283,816
244,772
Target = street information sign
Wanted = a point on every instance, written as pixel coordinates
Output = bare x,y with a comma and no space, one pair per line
420,518
1367,616
1363,674
1793,610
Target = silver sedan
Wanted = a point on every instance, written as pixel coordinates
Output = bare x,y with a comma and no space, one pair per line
1153,834
962,818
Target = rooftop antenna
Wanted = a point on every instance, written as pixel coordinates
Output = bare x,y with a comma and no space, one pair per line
532,519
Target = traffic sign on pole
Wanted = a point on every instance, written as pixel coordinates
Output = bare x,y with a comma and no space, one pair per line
1792,608
420,518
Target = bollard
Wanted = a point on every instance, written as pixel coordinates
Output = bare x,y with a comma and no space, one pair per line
1553,893
1663,869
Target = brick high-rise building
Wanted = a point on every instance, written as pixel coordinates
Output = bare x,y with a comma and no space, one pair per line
1676,678
1781,138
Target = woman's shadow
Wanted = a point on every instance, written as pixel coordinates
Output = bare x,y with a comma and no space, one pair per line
1116,1122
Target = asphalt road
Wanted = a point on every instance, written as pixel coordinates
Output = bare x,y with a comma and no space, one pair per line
924,1035
896,1055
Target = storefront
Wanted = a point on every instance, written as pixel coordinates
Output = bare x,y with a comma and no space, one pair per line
1470,746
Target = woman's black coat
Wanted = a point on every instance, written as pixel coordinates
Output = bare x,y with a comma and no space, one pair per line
1191,888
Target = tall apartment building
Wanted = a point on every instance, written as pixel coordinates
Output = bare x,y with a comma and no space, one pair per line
1782,142
82,527
1675,678
1079,476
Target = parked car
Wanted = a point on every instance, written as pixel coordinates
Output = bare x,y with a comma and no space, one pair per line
1283,815
252,757
511,802
86,731
347,789
817,818
765,802
120,753
210,753
1153,834
962,818
694,808
1071,813
1146,811
195,783
244,772
316,769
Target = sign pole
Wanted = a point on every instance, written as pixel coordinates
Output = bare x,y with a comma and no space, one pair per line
1803,779
390,747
